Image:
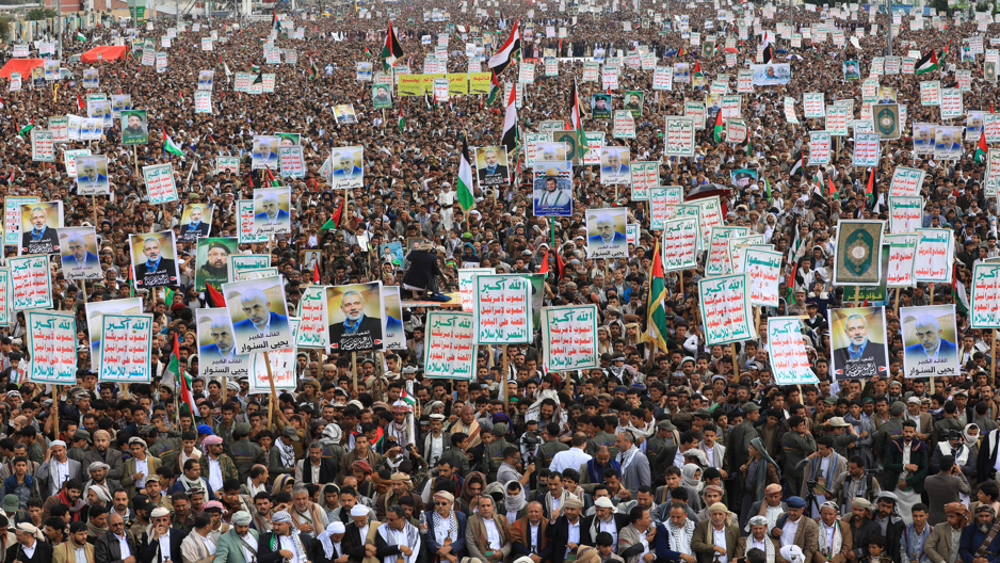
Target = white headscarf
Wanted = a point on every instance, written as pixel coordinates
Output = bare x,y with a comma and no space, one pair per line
325,537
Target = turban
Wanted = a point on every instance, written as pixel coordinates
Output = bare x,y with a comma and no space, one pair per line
137,440
243,518
793,554
573,502
102,434
336,527
363,466
985,508
830,504
523,560
101,492
956,508
281,516
713,489
55,443
30,529
98,465
772,488
796,502
358,511
718,507
159,512
758,521
400,477
211,440
604,502
213,505
444,495
862,503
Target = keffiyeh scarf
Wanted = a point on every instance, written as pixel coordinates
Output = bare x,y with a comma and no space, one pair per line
838,540
680,538
409,536
287,453
452,527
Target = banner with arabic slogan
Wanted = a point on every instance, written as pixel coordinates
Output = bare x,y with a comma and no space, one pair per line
570,337
126,348
725,309
52,341
451,346
788,352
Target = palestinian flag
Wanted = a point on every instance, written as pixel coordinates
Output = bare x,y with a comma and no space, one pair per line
958,294
183,381
509,137
927,63
656,318
275,22
790,282
314,74
544,268
27,128
215,296
391,51
80,36
494,89
697,69
410,400
464,184
507,52
982,149
717,132
797,167
402,120
576,122
169,145
870,190
334,221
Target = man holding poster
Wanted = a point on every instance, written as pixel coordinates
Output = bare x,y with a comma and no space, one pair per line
855,354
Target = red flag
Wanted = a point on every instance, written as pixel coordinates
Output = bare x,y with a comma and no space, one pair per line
871,183
79,103
560,266
316,273
544,268
991,107
833,189
697,67
217,299
338,214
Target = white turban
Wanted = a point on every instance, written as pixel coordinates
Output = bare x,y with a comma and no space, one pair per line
359,511
793,554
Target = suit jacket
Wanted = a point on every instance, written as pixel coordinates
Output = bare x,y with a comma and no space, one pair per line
354,545
520,538
942,489
445,443
937,547
327,472
281,216
636,473
45,474
558,535
874,351
230,549
106,549
43,553
202,229
806,537
167,266
846,543
369,326
266,555
457,546
703,544
475,536
49,236
742,546
148,548
247,324
629,537
65,553
497,171
588,530
919,456
89,261
129,470
837,472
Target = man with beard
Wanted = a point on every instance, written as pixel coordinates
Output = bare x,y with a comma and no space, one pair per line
196,227
162,540
99,478
758,539
889,523
906,465
672,540
604,519
945,539
975,534
240,543
216,267
75,549
795,529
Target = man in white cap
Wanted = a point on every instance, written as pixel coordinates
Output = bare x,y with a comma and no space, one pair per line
330,549
758,539
161,543
359,535
566,531
58,468
400,483
397,540
138,467
240,543
445,528
716,539
604,519
29,547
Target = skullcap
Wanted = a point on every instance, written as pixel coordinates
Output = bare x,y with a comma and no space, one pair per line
242,518
359,511
282,516
159,512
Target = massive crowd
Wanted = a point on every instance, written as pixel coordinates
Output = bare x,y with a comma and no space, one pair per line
658,455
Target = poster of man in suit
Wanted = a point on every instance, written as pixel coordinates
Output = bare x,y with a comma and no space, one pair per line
614,166
491,166
348,167
270,211
859,348
78,249
259,314
92,175
355,317
154,259
606,233
196,221
265,152
929,341
39,222
217,355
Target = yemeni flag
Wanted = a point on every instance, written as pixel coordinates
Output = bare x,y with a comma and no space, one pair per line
656,317
391,50
183,381
27,128
927,63
717,132
982,149
507,52
169,145
576,122
509,137
464,187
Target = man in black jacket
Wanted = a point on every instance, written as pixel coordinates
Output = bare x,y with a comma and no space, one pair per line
281,544
566,532
152,543
29,539
604,519
356,534
862,528
111,546
315,469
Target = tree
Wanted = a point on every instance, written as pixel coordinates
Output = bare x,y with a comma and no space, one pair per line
4,28
36,14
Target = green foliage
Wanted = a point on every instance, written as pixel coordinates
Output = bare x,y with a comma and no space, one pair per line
4,28
36,14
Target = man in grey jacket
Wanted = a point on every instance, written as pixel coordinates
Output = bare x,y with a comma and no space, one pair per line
635,466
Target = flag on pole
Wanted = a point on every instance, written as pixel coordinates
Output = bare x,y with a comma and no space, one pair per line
576,122
168,144
80,36
391,50
494,89
80,104
509,137
275,22
544,268
316,273
717,132
464,187
24,130
927,63
656,318
870,190
183,381
217,299
402,121
982,149
507,52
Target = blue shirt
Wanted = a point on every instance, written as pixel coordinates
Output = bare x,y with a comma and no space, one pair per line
856,354
352,328
153,266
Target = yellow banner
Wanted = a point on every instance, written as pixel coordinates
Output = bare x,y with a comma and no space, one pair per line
479,83
458,84
428,82
410,85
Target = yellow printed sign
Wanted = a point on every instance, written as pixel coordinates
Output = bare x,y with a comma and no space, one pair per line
410,85
479,83
428,82
458,84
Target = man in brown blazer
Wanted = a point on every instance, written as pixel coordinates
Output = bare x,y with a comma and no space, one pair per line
801,531
832,531
703,542
938,545
758,539
66,551
486,536
528,533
